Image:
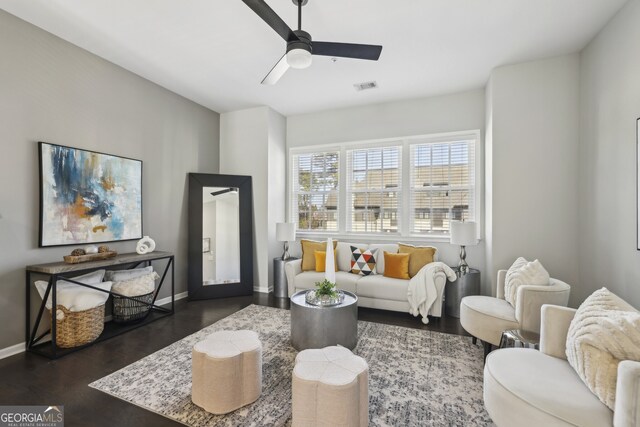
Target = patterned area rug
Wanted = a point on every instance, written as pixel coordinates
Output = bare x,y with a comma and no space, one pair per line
416,377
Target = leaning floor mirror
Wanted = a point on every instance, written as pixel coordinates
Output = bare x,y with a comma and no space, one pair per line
220,236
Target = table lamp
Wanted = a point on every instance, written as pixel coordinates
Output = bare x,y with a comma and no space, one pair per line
285,232
463,233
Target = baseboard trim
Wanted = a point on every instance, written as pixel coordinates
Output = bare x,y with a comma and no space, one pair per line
167,300
14,349
262,290
20,348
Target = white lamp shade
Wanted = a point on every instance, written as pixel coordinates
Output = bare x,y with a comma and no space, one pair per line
285,231
463,233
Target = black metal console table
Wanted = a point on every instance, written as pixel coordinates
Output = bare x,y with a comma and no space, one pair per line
61,271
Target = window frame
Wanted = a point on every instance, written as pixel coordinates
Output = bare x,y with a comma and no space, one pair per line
404,207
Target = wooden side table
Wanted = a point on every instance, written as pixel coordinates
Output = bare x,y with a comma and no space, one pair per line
464,285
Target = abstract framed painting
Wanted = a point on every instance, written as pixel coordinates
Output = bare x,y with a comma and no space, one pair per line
88,197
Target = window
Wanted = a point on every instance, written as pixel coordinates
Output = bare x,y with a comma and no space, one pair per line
373,189
442,185
403,187
315,191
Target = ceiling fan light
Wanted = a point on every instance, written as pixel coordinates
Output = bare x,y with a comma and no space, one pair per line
299,58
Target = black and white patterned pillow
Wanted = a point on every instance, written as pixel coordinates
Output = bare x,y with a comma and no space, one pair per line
363,261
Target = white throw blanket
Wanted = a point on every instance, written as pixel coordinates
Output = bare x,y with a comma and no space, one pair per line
422,292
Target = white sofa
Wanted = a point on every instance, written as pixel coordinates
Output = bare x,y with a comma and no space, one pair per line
525,387
373,291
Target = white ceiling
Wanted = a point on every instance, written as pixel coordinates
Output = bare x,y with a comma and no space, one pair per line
216,52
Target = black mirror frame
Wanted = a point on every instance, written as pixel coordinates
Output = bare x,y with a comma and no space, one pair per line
197,290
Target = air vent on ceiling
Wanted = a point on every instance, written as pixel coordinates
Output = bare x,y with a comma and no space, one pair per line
365,85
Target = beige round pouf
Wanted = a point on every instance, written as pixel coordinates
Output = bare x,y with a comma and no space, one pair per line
226,371
330,387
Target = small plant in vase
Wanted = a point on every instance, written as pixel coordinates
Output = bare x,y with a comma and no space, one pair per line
325,293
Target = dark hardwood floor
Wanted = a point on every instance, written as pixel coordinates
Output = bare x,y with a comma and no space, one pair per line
29,379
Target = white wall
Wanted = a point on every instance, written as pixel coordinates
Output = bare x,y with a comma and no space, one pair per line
610,101
53,91
533,166
450,113
252,143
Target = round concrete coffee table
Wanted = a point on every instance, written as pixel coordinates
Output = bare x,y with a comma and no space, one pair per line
315,326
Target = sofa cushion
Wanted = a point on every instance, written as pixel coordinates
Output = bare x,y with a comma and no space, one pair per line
392,248
525,387
604,332
419,256
396,266
343,250
321,261
363,261
345,281
308,253
381,287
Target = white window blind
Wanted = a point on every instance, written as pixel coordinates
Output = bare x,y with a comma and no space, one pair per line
443,180
315,185
374,189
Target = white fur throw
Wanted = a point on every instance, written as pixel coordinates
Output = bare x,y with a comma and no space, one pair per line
137,286
604,332
523,273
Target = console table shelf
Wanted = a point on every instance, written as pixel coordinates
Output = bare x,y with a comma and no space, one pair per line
61,271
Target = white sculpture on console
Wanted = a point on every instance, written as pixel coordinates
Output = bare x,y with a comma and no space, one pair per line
145,245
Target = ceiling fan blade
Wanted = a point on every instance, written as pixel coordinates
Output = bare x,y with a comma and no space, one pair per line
272,19
347,50
276,72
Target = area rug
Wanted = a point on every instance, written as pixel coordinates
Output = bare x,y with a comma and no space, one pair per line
416,377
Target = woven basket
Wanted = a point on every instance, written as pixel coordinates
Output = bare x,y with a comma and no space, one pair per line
129,310
77,328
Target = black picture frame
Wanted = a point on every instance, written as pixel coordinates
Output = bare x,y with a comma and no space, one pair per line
197,290
41,243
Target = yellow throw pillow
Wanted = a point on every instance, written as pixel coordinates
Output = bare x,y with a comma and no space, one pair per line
321,259
419,256
308,253
396,266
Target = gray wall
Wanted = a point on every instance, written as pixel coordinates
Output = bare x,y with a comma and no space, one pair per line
532,166
610,101
53,91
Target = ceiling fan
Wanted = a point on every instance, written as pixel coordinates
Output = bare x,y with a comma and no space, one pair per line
300,47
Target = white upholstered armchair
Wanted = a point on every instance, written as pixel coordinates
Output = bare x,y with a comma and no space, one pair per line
525,387
487,317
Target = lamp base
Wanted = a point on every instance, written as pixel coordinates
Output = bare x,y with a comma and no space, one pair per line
463,267
285,254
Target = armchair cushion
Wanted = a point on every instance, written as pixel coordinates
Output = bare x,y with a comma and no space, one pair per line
604,331
486,317
523,273
525,387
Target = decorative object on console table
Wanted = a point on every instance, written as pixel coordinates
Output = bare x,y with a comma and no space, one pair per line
463,233
88,197
285,232
145,245
280,286
465,285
